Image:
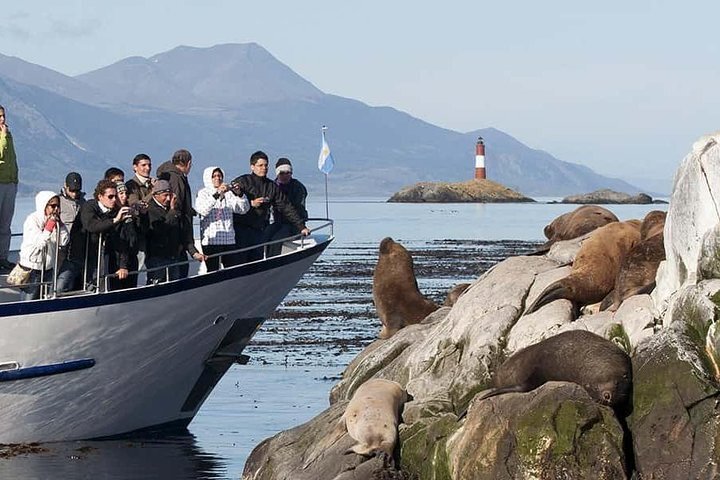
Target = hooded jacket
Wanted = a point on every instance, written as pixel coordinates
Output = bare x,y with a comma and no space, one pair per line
36,238
216,211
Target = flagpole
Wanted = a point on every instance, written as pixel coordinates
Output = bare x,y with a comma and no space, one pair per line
327,212
327,208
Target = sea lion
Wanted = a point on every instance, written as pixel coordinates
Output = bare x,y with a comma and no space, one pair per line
639,267
595,268
397,299
372,416
454,293
598,365
574,224
653,224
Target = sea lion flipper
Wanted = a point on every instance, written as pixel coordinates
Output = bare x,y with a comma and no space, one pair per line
493,392
363,449
542,249
555,291
608,301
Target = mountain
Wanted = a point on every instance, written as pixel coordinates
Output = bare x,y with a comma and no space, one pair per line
188,79
224,102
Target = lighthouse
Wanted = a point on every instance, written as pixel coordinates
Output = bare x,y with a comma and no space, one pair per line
480,159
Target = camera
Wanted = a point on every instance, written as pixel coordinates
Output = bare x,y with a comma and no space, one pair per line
236,188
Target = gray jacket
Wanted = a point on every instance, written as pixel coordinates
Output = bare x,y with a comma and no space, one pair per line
69,208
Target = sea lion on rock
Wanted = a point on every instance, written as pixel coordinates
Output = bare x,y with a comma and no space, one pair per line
595,267
574,224
639,267
653,224
454,293
372,416
598,365
397,299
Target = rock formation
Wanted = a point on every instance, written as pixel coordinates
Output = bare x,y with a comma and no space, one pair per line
472,191
606,197
555,431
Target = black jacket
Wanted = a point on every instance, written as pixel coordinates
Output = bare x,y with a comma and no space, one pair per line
258,218
89,223
181,188
296,194
164,237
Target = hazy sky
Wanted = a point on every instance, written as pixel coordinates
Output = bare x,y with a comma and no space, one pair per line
622,87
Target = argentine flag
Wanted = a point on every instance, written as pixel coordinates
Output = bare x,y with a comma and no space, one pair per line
325,160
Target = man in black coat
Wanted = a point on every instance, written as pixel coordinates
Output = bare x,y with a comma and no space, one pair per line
166,243
263,194
296,193
175,171
99,216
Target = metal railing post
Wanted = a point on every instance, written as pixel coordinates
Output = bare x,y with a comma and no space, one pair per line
57,256
99,264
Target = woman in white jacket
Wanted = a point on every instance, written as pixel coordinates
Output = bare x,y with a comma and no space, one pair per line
216,204
40,235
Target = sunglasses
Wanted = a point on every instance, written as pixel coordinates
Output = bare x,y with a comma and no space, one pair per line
53,205
111,196
285,173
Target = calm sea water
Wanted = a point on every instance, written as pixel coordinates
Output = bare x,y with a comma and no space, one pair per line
272,393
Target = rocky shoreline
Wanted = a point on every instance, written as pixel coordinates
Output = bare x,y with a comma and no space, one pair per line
671,429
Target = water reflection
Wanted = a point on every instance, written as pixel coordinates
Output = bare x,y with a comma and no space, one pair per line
176,457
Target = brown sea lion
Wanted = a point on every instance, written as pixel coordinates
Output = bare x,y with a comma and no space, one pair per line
653,224
574,224
595,268
639,267
598,365
454,293
397,299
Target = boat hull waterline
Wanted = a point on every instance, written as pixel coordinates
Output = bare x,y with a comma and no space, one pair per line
150,356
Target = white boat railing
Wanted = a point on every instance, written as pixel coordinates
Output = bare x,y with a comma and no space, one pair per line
48,288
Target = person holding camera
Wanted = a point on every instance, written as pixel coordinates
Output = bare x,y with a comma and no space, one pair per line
99,216
216,203
128,234
41,232
165,240
263,194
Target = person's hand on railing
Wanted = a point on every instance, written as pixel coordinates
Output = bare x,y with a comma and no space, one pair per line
305,232
122,273
199,257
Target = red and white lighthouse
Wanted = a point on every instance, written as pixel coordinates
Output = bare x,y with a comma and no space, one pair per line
480,159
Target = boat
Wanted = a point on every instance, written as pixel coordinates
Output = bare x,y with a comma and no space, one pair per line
116,363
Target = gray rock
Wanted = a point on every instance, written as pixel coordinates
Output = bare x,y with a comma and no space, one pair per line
675,423
709,261
693,210
556,432
606,196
